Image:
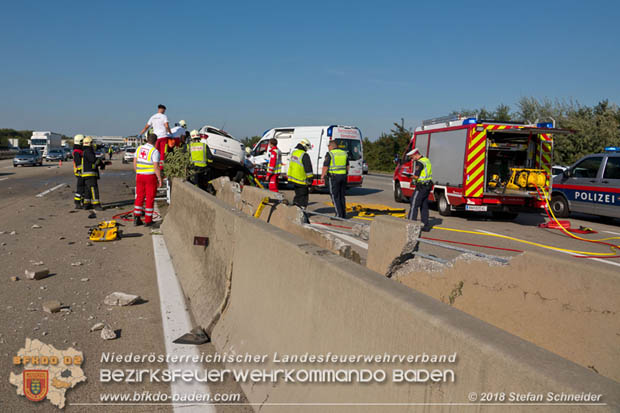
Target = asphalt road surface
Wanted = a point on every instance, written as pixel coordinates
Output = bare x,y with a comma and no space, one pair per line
377,189
82,275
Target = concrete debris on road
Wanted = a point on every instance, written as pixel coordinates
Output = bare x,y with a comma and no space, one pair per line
37,263
36,275
76,264
14,278
13,233
122,299
84,279
107,333
3,244
97,327
51,307
196,336
36,226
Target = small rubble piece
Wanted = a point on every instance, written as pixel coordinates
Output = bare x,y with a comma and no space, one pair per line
84,279
89,244
44,333
51,307
37,275
121,299
36,226
76,264
13,233
61,238
37,263
14,278
97,327
107,333
196,336
3,244
66,310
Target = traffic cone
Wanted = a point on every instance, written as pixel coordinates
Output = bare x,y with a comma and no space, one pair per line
60,163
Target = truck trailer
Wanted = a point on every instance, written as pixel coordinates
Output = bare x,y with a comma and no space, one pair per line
45,141
482,165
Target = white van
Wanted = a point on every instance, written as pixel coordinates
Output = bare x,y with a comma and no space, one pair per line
349,138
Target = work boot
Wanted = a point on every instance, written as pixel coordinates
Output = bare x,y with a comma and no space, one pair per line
426,228
98,208
149,224
137,221
88,206
78,206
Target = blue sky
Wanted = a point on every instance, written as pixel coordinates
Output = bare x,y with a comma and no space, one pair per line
102,67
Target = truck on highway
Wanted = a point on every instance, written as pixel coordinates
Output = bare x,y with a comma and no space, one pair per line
348,138
482,165
44,142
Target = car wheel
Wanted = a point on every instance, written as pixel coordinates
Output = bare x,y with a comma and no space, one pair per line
443,206
14,166
559,206
398,193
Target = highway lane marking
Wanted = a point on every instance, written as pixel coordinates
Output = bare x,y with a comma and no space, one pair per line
564,252
3,179
612,233
42,194
176,322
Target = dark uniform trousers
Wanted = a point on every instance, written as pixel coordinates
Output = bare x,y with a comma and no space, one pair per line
419,199
91,191
337,188
302,195
79,191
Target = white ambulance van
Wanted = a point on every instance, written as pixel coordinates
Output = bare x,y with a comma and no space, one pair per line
348,138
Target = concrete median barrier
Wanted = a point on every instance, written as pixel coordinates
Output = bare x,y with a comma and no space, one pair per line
265,291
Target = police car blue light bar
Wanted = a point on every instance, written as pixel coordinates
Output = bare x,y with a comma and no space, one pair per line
544,125
469,121
612,149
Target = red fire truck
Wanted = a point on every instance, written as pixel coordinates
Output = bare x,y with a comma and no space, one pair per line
481,165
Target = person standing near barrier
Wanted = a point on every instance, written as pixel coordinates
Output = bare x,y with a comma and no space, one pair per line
90,173
423,177
336,169
161,128
201,157
300,173
110,152
148,179
275,165
77,170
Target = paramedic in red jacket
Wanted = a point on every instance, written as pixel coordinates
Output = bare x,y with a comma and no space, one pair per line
275,165
148,178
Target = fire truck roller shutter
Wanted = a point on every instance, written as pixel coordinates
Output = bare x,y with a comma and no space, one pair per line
447,152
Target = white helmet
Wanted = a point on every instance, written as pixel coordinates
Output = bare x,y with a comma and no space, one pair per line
306,143
77,139
194,134
182,123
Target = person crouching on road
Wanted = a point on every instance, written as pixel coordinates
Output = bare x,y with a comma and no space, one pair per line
148,179
423,177
90,173
275,165
335,169
201,157
300,173
77,170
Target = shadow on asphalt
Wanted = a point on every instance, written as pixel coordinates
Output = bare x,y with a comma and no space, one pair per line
6,173
363,191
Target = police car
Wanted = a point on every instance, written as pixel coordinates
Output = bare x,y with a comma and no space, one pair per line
591,186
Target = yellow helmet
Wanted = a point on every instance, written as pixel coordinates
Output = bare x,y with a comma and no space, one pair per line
87,141
183,124
77,139
194,134
306,143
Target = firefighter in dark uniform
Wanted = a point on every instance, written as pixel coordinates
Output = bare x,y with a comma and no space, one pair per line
336,169
77,170
300,173
423,176
201,157
90,173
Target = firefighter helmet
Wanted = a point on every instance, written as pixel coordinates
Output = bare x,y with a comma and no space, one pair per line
77,139
88,140
194,134
182,123
305,143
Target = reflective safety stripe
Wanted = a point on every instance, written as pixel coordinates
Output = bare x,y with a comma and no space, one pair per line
144,160
427,172
198,151
338,162
296,171
84,173
277,168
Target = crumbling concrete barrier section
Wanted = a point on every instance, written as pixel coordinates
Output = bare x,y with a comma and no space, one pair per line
312,301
